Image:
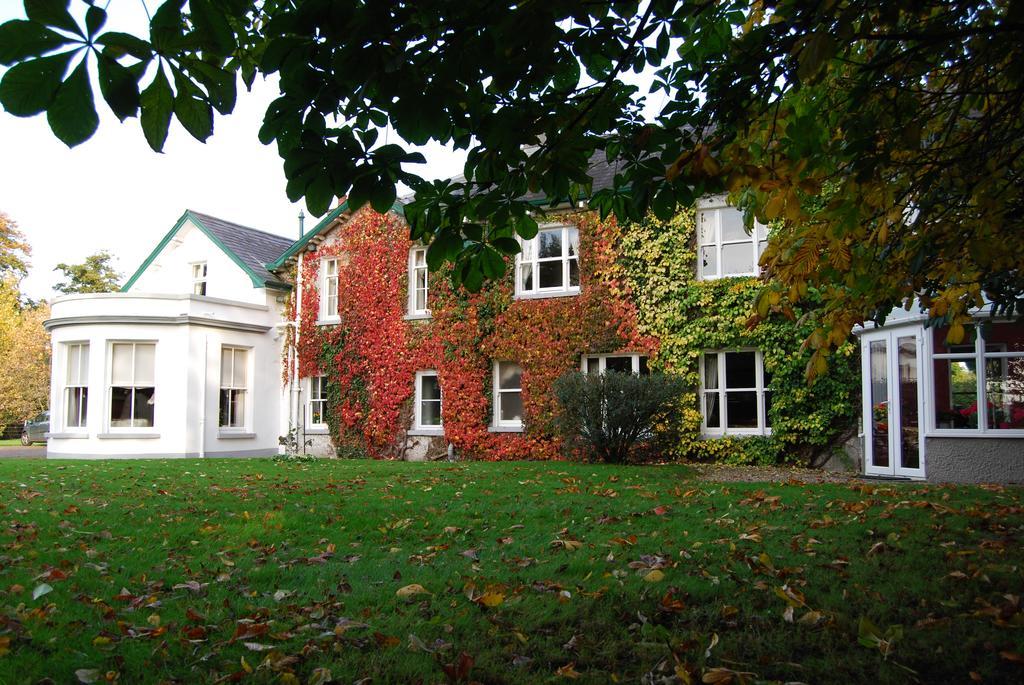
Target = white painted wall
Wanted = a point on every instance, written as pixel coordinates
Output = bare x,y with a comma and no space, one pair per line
171,270
189,332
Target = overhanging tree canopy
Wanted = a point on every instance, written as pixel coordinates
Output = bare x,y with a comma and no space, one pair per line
884,139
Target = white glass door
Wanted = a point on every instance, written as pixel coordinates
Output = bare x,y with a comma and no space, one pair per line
891,371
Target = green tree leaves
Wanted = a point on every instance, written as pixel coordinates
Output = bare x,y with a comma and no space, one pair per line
28,88
72,114
195,53
157,102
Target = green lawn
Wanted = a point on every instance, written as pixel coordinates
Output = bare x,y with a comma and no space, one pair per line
266,571
10,441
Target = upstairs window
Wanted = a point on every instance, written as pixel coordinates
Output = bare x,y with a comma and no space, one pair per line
234,367
724,248
735,399
418,288
549,263
428,401
329,289
76,386
624,363
508,396
132,385
199,278
317,403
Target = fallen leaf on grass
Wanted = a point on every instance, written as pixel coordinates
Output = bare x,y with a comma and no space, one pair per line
41,589
411,590
88,675
654,576
568,671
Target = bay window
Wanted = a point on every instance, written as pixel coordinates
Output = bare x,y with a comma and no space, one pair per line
132,384
76,385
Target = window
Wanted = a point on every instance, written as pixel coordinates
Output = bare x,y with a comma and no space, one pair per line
549,263
625,363
76,390
329,289
428,401
508,395
724,248
132,385
233,386
735,399
199,278
317,403
985,370
418,303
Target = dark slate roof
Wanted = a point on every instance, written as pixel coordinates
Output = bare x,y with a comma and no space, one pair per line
255,248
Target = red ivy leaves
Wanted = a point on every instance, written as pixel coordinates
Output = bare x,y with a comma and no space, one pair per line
373,354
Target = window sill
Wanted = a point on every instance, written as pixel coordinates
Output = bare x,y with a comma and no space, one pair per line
504,429
545,295
67,436
128,436
316,430
427,432
418,317
752,433
235,435
964,433
328,322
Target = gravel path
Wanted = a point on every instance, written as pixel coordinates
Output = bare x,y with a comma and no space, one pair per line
768,474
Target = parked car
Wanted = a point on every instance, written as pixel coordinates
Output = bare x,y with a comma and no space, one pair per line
36,429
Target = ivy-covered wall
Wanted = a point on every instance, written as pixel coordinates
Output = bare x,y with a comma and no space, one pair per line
638,294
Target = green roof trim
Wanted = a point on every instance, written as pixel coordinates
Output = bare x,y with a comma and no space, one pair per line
257,280
328,219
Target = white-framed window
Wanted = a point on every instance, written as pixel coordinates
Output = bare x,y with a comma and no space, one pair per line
735,394
428,402
234,386
724,248
985,370
76,385
549,263
624,363
329,288
199,278
316,404
132,384
508,395
419,303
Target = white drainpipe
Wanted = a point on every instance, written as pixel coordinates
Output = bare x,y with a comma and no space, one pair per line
296,389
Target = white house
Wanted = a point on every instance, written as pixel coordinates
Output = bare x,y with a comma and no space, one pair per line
185,361
193,358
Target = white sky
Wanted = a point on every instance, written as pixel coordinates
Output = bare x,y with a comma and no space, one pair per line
113,192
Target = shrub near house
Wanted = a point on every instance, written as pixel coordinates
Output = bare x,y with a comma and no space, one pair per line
405,364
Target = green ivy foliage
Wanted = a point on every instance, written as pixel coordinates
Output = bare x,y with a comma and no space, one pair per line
689,316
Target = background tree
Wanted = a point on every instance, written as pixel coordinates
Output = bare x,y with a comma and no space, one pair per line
24,357
14,249
883,139
94,275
